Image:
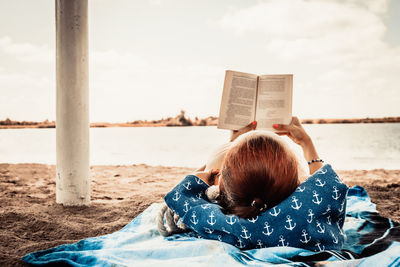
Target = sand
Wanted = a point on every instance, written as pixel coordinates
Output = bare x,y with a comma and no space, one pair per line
31,220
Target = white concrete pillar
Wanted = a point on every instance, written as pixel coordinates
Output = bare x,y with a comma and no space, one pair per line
72,118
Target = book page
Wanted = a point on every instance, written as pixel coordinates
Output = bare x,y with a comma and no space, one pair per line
274,100
238,100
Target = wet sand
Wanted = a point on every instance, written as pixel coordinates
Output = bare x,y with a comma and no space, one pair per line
31,220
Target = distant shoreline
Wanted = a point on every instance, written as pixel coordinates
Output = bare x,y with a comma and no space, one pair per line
181,120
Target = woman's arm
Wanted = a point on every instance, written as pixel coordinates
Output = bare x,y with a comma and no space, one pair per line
202,168
296,132
310,153
209,177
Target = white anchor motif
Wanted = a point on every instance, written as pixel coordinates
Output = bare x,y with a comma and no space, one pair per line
208,230
341,232
177,196
231,220
328,209
244,231
194,220
336,196
219,238
259,244
194,199
268,232
240,243
186,206
187,186
335,239
282,240
296,206
310,214
225,231
305,240
198,180
205,206
342,206
319,247
337,180
321,171
199,195
212,220
328,220
253,220
300,189
319,183
275,213
321,229
289,221
316,200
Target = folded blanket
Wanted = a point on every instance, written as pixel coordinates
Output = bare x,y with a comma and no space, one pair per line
372,240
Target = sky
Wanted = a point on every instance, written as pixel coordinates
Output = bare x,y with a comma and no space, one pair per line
151,58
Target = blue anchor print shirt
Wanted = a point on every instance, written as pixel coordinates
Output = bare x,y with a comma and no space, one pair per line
311,217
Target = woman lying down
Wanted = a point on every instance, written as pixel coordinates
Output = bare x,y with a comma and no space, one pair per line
250,195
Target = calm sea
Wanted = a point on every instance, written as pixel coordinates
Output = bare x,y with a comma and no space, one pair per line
345,146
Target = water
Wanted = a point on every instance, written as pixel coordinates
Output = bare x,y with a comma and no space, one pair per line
345,146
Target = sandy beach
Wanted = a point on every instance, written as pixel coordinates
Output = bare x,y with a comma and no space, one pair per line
31,220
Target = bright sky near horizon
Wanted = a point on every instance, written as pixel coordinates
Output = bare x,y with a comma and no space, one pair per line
149,59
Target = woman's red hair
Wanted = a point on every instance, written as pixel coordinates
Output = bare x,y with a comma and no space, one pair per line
258,170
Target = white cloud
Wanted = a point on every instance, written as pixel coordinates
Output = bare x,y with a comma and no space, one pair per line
138,89
27,83
26,52
375,6
301,19
334,48
123,86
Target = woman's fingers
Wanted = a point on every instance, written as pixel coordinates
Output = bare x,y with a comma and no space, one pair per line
248,128
282,127
295,121
288,127
245,129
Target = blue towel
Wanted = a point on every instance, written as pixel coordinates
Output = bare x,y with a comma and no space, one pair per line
372,240
311,217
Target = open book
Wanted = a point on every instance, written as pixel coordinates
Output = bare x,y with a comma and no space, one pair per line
246,97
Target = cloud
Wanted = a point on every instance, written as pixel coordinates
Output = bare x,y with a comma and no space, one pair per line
26,52
375,6
301,19
27,83
342,65
123,85
334,48
137,88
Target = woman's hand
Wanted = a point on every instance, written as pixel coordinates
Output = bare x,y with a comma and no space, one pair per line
209,177
296,132
236,133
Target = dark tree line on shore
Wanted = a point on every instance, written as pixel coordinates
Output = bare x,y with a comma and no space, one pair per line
182,120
